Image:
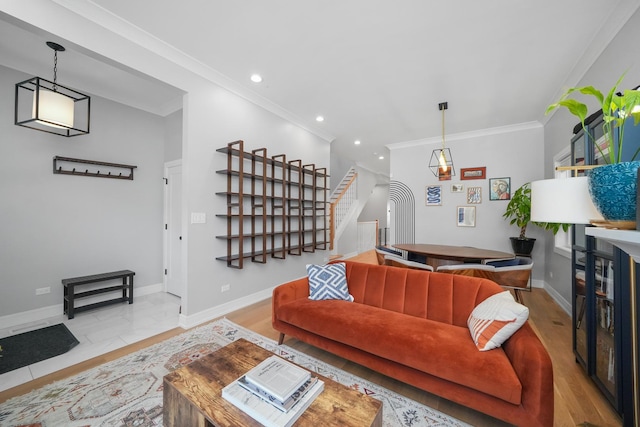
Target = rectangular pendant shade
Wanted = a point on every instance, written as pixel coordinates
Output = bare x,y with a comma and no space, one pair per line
48,107
563,200
53,109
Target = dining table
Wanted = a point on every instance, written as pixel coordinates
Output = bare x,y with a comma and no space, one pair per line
436,255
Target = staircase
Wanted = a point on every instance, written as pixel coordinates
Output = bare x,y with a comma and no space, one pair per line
342,200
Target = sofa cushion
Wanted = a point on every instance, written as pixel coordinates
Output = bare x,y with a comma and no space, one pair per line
495,319
443,350
328,282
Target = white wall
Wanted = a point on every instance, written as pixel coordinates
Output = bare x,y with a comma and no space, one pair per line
514,152
60,226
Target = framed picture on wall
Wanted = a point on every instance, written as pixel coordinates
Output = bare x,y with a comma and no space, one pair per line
433,195
474,195
466,216
473,173
457,188
499,188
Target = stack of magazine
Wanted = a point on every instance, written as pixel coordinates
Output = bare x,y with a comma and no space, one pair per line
274,393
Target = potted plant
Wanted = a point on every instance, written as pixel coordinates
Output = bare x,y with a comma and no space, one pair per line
613,186
519,211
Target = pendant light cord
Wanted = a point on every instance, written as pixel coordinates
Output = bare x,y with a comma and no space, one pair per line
55,71
443,110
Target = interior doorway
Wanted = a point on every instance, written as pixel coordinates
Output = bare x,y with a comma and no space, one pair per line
173,228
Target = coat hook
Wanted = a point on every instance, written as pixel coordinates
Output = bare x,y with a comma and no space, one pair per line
86,171
74,170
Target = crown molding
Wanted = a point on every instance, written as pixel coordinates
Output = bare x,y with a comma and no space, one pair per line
467,135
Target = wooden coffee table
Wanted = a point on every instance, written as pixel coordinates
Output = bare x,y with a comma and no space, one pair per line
192,394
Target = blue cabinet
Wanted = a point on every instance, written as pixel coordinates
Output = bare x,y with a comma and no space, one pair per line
600,292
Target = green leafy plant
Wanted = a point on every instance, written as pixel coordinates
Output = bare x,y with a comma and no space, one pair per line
519,211
616,108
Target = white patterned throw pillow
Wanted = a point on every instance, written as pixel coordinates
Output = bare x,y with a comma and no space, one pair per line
495,319
328,282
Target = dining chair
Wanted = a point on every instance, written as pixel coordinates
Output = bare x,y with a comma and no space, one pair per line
510,274
382,251
394,261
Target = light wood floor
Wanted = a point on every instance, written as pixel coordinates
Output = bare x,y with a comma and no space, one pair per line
577,401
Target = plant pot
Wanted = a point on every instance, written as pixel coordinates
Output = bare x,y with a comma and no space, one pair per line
613,191
522,246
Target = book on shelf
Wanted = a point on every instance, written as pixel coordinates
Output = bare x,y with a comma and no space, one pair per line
285,405
279,377
263,411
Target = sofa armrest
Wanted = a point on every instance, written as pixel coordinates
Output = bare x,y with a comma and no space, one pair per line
288,292
532,364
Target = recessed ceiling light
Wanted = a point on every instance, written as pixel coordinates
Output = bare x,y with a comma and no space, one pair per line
256,78
381,157
357,142
319,119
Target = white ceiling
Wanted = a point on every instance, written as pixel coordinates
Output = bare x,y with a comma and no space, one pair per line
375,69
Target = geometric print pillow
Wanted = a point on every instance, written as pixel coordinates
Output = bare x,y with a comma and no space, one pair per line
328,282
495,319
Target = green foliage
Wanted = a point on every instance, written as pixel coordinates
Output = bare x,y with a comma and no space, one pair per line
615,110
519,210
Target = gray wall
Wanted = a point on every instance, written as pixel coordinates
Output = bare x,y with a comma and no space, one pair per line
59,226
213,118
173,136
622,54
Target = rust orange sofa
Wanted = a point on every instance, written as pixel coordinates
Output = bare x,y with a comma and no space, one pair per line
411,325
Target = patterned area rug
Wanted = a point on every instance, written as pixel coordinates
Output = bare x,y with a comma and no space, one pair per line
128,391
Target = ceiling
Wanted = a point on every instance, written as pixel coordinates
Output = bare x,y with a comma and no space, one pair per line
376,70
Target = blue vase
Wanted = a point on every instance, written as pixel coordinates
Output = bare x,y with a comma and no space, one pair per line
613,190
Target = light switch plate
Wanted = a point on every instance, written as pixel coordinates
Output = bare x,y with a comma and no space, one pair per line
198,217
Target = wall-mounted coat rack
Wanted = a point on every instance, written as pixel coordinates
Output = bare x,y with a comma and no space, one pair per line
62,165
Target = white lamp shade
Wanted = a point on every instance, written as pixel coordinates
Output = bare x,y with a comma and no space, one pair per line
563,200
53,109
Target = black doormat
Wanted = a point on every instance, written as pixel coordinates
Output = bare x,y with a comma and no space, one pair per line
33,346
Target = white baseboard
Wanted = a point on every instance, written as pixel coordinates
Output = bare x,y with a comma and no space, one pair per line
39,314
212,313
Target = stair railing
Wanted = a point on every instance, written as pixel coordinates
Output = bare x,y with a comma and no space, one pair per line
341,205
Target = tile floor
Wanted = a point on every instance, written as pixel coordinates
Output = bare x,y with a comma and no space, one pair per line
99,331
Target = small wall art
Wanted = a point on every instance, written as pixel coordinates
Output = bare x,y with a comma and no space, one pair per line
466,216
499,188
473,173
474,195
457,188
433,195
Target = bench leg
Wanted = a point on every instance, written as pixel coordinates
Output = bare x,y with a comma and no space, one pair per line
281,339
130,289
71,302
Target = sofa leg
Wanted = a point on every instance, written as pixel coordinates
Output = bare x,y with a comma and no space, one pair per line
281,339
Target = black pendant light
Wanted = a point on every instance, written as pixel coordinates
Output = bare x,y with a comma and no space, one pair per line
49,107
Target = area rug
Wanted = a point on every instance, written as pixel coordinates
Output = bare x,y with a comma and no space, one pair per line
128,391
34,346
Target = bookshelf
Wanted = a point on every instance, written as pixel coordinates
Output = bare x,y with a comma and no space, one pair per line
274,207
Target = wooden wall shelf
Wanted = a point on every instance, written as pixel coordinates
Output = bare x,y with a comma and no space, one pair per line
275,207
107,170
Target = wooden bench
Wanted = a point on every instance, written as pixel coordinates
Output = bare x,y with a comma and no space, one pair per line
70,294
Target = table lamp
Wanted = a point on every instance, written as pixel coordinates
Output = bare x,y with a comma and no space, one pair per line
563,200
